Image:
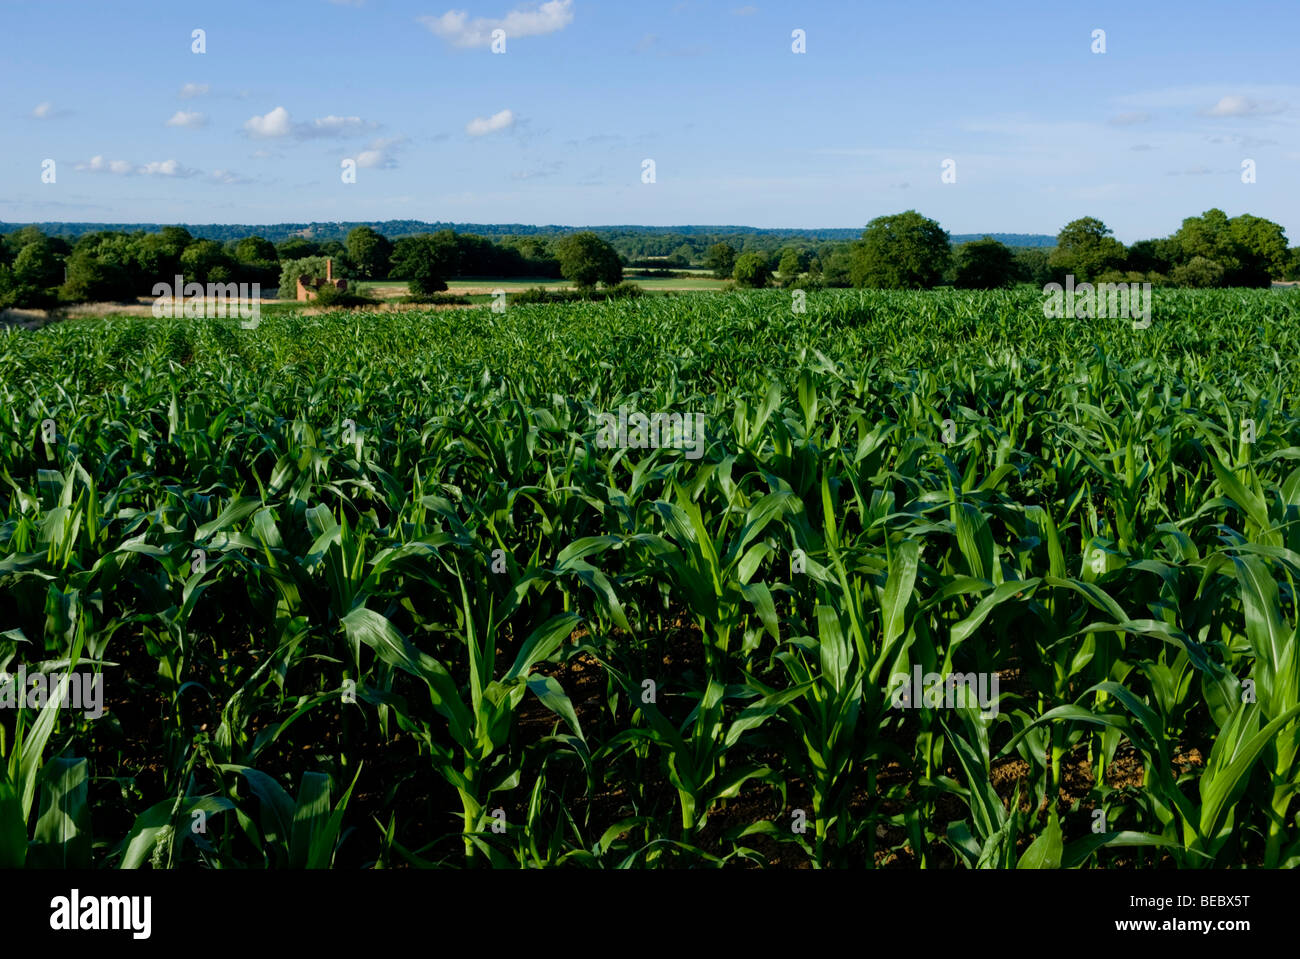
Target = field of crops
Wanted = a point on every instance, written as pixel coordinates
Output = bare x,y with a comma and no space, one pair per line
371,589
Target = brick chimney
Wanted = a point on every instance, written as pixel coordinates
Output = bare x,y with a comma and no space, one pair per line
329,270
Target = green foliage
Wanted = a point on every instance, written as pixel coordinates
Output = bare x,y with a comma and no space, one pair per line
92,278
752,271
430,589
328,296
256,249
585,259
1199,272
540,294
1033,265
425,261
437,299
792,264
38,265
313,267
205,261
903,251
984,265
297,248
16,294
1250,250
1086,250
721,259
369,252
258,261
1151,256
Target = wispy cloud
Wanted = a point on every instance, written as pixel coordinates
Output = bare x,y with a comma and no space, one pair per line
481,126
333,126
1242,141
47,111
1200,171
194,90
380,154
167,168
456,27
549,168
1234,106
97,164
277,123
1130,119
227,177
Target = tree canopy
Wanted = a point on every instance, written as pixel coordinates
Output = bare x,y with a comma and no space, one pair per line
752,270
900,252
369,252
1085,249
586,259
984,265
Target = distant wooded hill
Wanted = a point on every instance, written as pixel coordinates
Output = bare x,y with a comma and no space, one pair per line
628,238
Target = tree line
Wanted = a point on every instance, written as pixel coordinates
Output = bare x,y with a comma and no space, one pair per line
909,251
41,271
900,251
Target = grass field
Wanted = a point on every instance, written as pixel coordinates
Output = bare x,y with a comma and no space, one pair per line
383,588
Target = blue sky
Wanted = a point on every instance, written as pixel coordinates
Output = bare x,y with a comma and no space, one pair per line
741,129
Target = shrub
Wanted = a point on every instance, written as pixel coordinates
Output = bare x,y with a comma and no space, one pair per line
1198,272
331,296
437,299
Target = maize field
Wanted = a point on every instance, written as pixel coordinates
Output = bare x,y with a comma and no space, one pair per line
373,590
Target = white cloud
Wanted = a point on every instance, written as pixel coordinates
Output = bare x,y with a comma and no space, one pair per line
458,29
278,124
194,90
1234,106
482,125
378,155
43,110
98,164
171,168
1129,119
183,118
273,124
332,126
166,168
